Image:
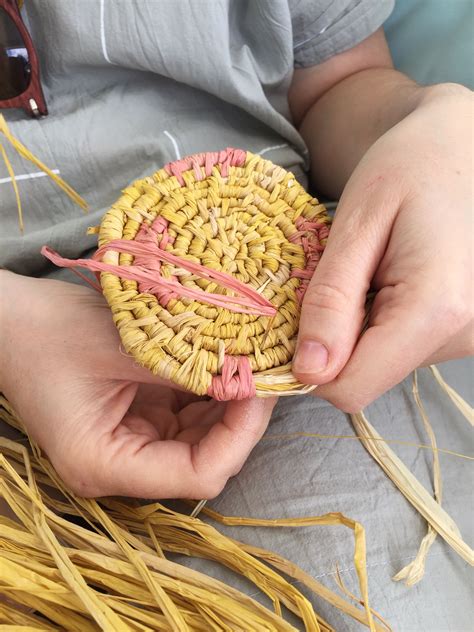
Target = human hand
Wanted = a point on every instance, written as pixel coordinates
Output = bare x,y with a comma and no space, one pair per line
403,228
109,426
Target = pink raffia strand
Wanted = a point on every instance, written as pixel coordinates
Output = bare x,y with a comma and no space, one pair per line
235,382
94,285
226,158
156,233
247,301
309,236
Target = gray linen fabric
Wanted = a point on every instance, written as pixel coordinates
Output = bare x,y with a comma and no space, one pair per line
132,85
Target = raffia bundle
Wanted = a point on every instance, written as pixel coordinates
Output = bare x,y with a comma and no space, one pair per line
112,572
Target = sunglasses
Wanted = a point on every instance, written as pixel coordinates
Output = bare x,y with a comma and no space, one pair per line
20,85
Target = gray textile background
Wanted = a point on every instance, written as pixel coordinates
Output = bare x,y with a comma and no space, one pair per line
132,85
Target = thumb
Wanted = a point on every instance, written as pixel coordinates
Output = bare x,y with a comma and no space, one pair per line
333,307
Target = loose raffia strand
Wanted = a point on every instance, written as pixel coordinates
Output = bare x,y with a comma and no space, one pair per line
413,572
249,301
317,435
463,407
26,153
411,488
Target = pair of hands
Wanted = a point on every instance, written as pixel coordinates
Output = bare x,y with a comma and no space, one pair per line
403,227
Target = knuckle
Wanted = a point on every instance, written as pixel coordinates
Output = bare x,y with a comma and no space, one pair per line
457,314
470,348
79,484
326,296
208,480
349,403
80,480
212,487
470,340
449,89
355,406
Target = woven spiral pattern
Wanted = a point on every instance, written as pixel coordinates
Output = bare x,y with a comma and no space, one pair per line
234,213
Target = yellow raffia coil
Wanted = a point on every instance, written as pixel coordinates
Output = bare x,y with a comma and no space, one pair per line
204,265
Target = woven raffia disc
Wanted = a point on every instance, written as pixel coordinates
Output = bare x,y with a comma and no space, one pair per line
231,212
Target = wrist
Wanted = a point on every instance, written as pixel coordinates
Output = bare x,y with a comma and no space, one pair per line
342,126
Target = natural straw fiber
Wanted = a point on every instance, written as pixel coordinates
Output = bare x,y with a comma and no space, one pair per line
71,563
204,265
24,152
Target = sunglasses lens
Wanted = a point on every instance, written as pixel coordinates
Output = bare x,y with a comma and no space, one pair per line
15,68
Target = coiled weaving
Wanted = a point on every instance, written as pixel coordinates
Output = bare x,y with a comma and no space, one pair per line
204,265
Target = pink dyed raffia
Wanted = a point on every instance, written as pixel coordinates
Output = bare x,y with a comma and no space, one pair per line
309,236
225,159
148,274
157,233
235,381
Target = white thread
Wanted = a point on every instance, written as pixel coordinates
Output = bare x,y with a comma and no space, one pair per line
352,569
267,149
102,31
28,176
175,144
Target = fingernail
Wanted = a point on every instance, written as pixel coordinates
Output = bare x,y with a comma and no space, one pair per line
311,357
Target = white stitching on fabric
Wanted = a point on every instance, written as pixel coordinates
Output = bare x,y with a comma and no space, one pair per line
102,31
352,569
28,176
175,144
267,149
